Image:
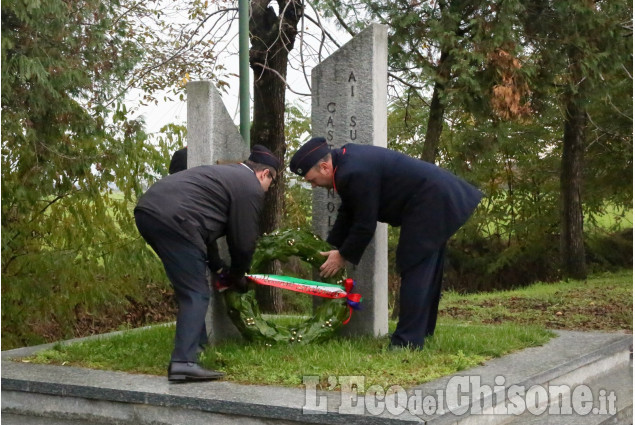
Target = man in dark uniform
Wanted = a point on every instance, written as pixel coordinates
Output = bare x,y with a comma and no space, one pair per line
377,184
216,265
183,214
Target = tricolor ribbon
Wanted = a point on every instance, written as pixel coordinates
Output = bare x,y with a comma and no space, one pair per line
320,289
353,300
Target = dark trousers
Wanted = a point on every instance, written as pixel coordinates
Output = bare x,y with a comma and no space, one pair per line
186,267
419,298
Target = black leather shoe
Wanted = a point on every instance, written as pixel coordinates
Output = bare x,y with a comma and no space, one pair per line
190,371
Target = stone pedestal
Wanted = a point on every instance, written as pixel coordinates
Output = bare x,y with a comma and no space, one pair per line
213,138
350,106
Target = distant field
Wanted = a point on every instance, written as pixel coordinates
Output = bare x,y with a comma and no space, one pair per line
613,217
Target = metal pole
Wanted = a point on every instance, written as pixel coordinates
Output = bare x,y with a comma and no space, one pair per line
243,46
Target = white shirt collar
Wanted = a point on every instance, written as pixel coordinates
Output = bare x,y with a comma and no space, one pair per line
247,167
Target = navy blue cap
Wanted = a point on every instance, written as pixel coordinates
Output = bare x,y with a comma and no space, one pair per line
308,155
262,155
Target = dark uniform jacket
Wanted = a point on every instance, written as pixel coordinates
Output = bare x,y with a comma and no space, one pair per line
207,202
378,184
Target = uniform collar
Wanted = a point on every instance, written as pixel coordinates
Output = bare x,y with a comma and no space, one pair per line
248,167
336,156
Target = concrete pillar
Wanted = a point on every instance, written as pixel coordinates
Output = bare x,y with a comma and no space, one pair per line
350,106
213,138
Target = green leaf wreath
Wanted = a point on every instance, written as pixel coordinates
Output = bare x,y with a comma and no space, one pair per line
243,308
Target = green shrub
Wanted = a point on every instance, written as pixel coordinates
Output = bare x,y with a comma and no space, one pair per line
60,295
610,251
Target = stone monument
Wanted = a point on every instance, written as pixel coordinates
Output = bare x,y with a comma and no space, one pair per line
213,138
350,106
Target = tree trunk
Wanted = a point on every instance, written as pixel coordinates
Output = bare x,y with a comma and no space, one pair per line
437,110
572,234
449,12
272,37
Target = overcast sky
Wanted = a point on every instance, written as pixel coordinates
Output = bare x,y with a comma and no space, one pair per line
175,111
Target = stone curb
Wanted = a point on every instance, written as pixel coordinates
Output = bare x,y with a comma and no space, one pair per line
27,388
571,373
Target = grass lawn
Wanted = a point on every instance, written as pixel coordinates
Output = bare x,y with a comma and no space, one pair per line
602,303
471,329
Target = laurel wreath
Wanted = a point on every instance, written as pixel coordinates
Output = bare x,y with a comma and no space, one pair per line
243,308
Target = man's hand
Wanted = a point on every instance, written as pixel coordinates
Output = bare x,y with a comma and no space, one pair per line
217,268
333,263
237,282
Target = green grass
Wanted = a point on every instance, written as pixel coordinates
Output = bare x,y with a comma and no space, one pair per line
603,303
471,330
455,347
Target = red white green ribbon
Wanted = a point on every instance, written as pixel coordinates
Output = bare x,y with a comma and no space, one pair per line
320,289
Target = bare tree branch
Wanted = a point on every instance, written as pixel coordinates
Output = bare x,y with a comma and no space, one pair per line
264,67
149,69
340,19
302,63
319,24
405,83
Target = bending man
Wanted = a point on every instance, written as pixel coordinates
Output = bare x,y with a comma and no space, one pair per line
377,184
181,216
